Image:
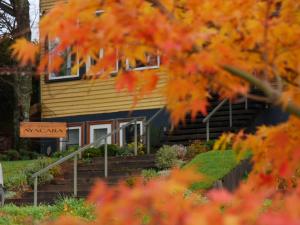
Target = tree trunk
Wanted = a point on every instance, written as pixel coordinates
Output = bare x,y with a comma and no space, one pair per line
22,83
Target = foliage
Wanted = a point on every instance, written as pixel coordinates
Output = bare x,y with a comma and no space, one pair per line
13,155
45,177
128,150
125,151
180,150
149,174
166,157
207,46
73,207
17,174
195,148
14,215
61,154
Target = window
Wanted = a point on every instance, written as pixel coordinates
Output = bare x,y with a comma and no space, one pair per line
70,64
92,61
73,138
151,62
100,130
128,136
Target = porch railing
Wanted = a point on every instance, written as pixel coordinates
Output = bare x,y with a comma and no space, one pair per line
206,120
97,143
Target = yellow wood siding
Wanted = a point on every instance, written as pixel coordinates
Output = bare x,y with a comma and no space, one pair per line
83,97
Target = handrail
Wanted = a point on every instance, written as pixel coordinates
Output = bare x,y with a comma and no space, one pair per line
207,118
154,116
96,143
80,150
147,128
214,110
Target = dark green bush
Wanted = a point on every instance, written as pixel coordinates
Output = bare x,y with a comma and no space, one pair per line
60,154
91,153
111,150
13,155
125,151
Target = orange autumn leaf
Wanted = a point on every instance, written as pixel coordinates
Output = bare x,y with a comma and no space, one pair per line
126,81
25,51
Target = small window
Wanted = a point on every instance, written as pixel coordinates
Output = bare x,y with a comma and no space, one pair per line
73,139
98,131
66,70
128,136
91,61
151,61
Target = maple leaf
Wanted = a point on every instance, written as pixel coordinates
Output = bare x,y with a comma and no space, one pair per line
126,80
25,51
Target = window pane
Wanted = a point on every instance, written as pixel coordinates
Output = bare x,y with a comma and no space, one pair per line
100,133
129,133
151,60
73,137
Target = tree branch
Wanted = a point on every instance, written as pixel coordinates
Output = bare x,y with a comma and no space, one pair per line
162,8
273,95
7,8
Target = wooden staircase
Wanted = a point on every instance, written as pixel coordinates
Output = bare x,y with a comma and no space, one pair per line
242,118
119,168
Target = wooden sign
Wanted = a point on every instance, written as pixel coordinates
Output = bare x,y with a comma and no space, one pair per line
43,130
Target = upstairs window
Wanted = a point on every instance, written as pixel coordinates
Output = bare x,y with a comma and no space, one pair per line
70,68
150,61
114,67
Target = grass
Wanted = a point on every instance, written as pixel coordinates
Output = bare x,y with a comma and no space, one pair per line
14,215
213,165
16,174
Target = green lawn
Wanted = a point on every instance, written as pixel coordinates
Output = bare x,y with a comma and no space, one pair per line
12,168
14,215
17,174
213,165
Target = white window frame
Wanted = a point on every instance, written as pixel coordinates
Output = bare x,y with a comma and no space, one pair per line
61,140
52,75
101,55
143,67
100,126
121,130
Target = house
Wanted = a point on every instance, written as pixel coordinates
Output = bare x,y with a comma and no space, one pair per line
93,108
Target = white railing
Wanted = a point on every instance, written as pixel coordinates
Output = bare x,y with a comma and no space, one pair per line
96,143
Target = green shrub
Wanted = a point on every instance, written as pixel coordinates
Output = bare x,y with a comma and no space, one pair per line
125,151
3,157
61,154
166,157
91,153
13,155
111,150
140,148
16,182
149,174
45,177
